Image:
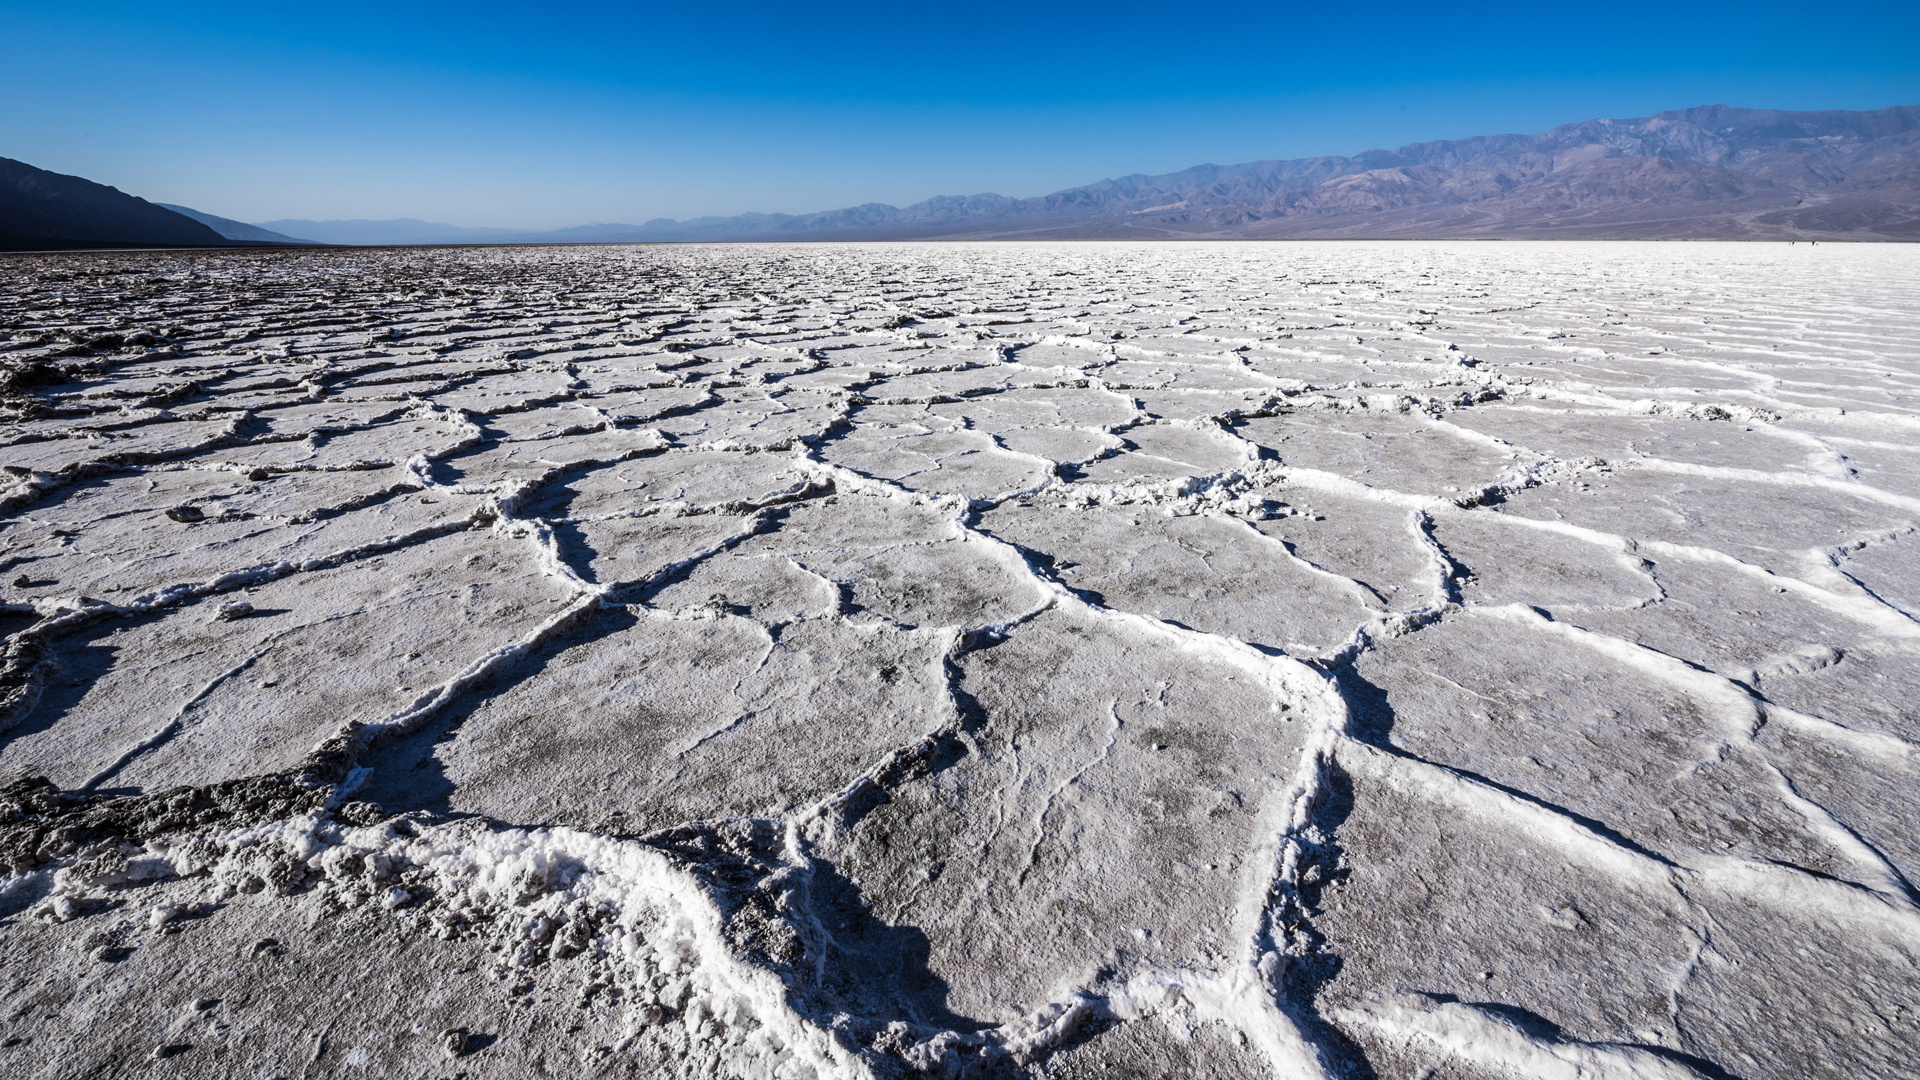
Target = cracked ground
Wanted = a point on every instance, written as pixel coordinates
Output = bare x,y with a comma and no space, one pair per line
1026,660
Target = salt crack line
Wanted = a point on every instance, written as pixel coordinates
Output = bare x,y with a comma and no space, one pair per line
1757,476
356,737
1446,599
172,727
1749,711
1785,889
1863,607
1744,714
1491,1041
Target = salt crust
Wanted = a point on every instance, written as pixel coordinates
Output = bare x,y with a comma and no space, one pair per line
910,389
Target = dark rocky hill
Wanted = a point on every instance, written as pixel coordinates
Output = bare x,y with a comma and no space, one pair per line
42,210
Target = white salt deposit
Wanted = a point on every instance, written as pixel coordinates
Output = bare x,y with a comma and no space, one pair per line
1332,660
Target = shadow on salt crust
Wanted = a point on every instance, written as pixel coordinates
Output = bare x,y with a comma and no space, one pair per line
190,698
135,548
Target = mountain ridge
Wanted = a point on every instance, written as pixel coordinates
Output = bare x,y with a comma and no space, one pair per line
1710,172
234,230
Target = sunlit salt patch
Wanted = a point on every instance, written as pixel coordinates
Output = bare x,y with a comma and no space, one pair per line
1714,999
1365,541
551,420
1128,374
861,514
632,917
1174,1048
650,405
603,376
299,420
1299,366
958,463
506,391
1860,789
769,588
788,363
908,416
1869,691
1129,468
1041,352
754,419
826,378
1779,642
1804,660
1069,447
400,377
1426,869
418,432
951,583
1195,341
504,466
1457,1032
1883,565
1389,450
898,563
1598,434
929,387
1212,572
1202,447
1507,563
1653,494
627,553
1709,373
1710,512
1230,492
1199,405
146,379
1068,406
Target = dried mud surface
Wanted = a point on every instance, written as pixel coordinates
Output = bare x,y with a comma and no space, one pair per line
1336,660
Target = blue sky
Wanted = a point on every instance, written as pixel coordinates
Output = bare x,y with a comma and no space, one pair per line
544,116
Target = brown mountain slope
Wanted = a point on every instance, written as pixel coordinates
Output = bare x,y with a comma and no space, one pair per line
1708,172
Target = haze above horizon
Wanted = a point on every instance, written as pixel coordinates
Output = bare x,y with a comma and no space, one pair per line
500,115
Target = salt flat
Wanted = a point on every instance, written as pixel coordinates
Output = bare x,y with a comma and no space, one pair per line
1297,660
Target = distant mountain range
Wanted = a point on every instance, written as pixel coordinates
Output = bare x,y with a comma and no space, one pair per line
1712,172
398,231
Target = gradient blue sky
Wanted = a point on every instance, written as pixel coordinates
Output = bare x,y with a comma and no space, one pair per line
542,116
